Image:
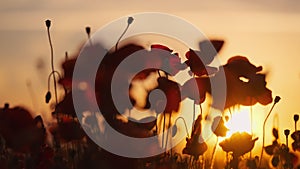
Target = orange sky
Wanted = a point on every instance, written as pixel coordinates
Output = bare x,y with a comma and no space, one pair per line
268,33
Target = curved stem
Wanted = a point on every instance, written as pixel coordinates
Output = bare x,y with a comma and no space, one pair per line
52,64
264,131
116,47
52,74
184,122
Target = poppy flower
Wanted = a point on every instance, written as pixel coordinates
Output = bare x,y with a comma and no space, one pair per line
68,68
218,127
282,156
195,146
239,144
66,106
196,89
245,85
20,130
296,137
198,61
67,130
170,88
165,59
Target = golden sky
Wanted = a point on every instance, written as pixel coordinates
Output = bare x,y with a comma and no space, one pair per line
267,32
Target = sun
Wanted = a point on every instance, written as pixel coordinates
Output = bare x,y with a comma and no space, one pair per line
239,121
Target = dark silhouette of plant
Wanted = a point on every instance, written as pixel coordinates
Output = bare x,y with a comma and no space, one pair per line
198,61
276,100
239,144
20,130
220,130
280,153
195,146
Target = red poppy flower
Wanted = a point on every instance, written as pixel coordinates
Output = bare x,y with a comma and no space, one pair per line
195,146
198,61
167,61
20,130
189,89
67,130
245,85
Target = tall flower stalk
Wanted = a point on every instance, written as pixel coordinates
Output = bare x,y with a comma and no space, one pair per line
276,100
129,21
48,95
296,118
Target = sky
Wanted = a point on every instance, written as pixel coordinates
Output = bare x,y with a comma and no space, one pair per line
267,32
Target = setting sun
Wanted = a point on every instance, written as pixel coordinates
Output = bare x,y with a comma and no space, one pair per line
239,121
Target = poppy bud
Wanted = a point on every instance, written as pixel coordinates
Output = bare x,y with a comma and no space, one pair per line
6,105
296,117
277,98
286,132
275,161
275,133
48,23
48,96
130,20
88,30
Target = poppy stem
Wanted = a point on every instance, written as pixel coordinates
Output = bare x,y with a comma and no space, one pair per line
213,154
163,134
264,129
52,64
53,74
167,137
251,121
184,122
128,24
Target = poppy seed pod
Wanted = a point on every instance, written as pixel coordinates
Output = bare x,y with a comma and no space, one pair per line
6,106
88,30
286,132
130,20
277,99
48,23
296,117
48,96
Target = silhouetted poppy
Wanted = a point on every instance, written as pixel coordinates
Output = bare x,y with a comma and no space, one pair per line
165,59
196,89
20,130
296,137
195,146
239,144
198,61
68,67
283,156
245,85
48,97
67,130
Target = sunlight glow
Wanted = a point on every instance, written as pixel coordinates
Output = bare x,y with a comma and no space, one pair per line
239,121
